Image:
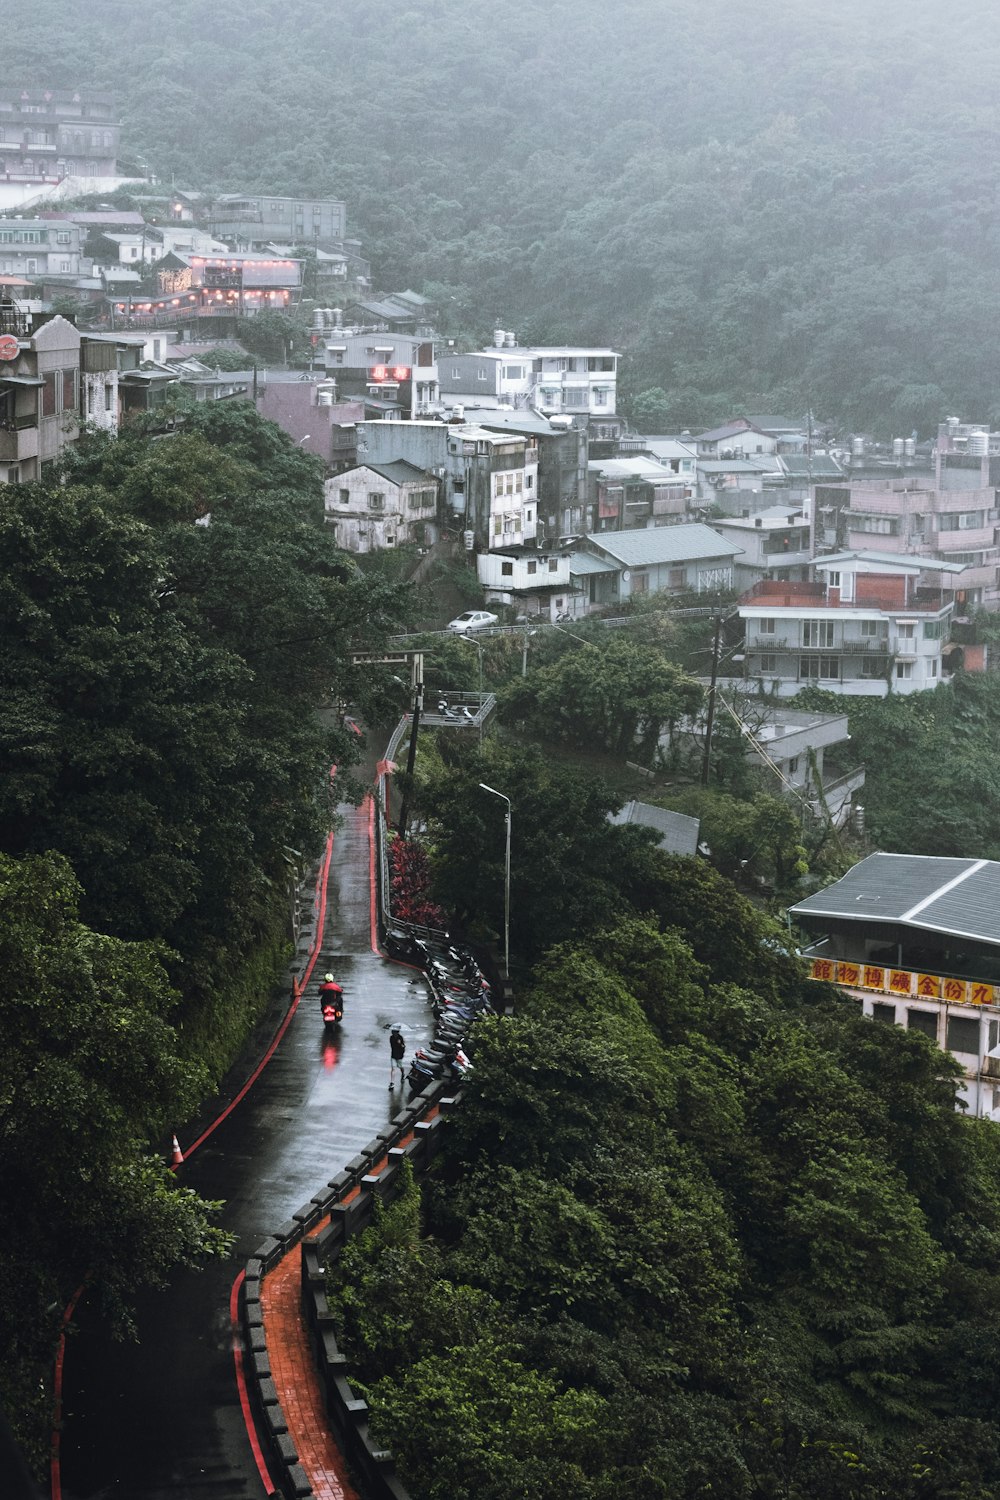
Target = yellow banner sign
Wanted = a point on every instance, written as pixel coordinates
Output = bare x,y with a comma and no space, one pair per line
905,982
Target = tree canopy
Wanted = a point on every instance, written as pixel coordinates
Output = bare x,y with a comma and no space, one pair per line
735,1242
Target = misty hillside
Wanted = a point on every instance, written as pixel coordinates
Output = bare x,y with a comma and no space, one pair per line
783,205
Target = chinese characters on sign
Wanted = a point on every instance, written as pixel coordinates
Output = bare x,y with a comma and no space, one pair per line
905,982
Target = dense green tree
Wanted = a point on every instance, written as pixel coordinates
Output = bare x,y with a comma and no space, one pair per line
618,695
91,1079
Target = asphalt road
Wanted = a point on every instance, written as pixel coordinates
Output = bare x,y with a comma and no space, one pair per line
161,1418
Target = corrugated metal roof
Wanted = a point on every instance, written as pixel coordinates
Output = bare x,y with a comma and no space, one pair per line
678,833
729,429
645,546
955,897
733,466
905,560
582,563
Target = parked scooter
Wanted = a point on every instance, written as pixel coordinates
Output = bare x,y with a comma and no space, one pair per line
424,1071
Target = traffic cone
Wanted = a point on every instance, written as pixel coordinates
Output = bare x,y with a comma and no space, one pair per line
177,1155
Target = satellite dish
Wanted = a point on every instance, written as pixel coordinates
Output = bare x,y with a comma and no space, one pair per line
626,575
9,347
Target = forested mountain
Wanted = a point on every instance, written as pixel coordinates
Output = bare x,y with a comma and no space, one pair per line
786,206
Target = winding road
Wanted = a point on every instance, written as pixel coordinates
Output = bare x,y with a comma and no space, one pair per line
161,1417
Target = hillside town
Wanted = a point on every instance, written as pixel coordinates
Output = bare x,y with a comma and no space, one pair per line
852,561
669,908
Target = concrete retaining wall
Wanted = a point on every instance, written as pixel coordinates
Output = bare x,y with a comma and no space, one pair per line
348,1201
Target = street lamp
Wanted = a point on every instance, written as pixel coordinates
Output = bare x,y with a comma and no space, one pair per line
506,879
480,648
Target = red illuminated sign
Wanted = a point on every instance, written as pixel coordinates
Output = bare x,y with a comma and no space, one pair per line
389,374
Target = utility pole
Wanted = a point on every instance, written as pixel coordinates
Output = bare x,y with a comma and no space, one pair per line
710,718
411,759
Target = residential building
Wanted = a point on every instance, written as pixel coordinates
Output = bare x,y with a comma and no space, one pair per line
48,135
966,456
562,466
915,941
901,515
867,622
679,458
536,581
394,372
575,381
776,543
731,482
249,220
38,247
615,566
403,312
791,745
102,360
489,479
472,378
39,397
313,415
382,505
125,247
625,493
736,439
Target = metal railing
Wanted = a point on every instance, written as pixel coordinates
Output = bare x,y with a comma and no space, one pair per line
386,919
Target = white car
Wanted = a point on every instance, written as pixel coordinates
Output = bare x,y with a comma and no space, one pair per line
473,619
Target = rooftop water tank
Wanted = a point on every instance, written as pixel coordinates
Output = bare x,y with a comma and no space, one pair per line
979,444
910,447
498,338
897,447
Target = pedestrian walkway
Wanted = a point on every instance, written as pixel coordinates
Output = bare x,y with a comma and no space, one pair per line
293,1371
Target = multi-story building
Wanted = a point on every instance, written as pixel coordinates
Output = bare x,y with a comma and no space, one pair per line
489,479
867,623
211,289
382,505
39,396
39,247
253,220
966,456
915,940
562,467
576,381
902,515
536,581
395,372
48,135
626,493
776,543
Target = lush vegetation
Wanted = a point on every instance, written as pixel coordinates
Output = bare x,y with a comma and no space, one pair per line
700,1229
932,769
787,210
161,692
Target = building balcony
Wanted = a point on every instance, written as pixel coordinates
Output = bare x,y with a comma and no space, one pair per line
18,443
774,643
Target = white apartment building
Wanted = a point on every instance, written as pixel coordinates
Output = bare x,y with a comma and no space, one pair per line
571,380
867,622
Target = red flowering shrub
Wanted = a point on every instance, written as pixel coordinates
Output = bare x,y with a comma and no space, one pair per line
410,883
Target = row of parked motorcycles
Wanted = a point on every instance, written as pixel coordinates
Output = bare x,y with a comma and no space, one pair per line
461,995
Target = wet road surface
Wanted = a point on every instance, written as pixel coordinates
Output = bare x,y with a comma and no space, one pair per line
162,1418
